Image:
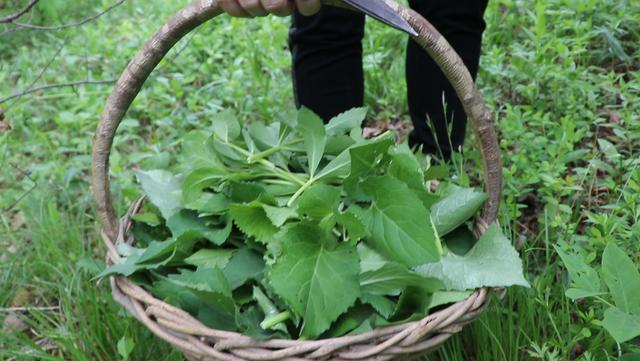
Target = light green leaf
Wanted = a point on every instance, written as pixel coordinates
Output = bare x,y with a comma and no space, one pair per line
226,126
210,258
622,277
446,297
318,279
406,168
345,122
398,223
252,219
163,189
585,280
125,347
312,130
318,201
203,279
370,260
456,208
621,325
492,262
338,167
279,215
198,152
392,278
367,158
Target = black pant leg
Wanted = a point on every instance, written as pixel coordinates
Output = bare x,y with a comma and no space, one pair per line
327,60
461,22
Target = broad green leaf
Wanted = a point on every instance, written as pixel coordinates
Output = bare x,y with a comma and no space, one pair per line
247,192
356,230
621,325
211,203
245,264
312,130
367,158
198,152
381,304
585,279
398,223
392,278
210,258
406,168
338,144
456,208
338,167
163,189
125,346
635,356
370,260
279,215
252,220
349,321
226,126
203,279
200,179
127,267
622,277
188,222
492,262
446,297
318,279
345,122
318,201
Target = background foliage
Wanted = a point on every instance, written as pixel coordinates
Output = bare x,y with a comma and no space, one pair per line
560,75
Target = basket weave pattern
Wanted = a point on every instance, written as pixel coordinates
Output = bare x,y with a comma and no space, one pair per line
199,342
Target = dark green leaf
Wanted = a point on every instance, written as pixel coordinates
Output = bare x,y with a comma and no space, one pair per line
392,278
318,201
188,222
252,219
245,264
398,223
318,281
210,258
456,208
381,304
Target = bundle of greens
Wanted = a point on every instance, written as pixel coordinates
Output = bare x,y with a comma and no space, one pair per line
297,229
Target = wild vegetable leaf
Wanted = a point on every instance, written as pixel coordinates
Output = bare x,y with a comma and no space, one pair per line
398,223
585,279
244,265
381,304
356,230
621,325
492,262
392,278
622,277
349,321
252,219
163,189
344,122
312,129
456,208
200,179
365,159
188,222
279,215
317,277
210,258
226,126
319,201
446,297
338,167
209,203
198,152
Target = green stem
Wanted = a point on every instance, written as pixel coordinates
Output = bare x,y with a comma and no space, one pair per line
274,320
299,192
256,157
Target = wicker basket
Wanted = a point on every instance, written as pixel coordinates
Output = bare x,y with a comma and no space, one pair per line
199,342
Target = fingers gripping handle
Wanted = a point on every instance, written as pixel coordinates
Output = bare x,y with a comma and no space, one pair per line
200,11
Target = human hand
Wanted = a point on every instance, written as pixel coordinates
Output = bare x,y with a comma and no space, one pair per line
254,8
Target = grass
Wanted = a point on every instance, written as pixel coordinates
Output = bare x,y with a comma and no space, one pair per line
560,75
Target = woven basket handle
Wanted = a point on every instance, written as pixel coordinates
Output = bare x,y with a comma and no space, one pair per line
200,11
